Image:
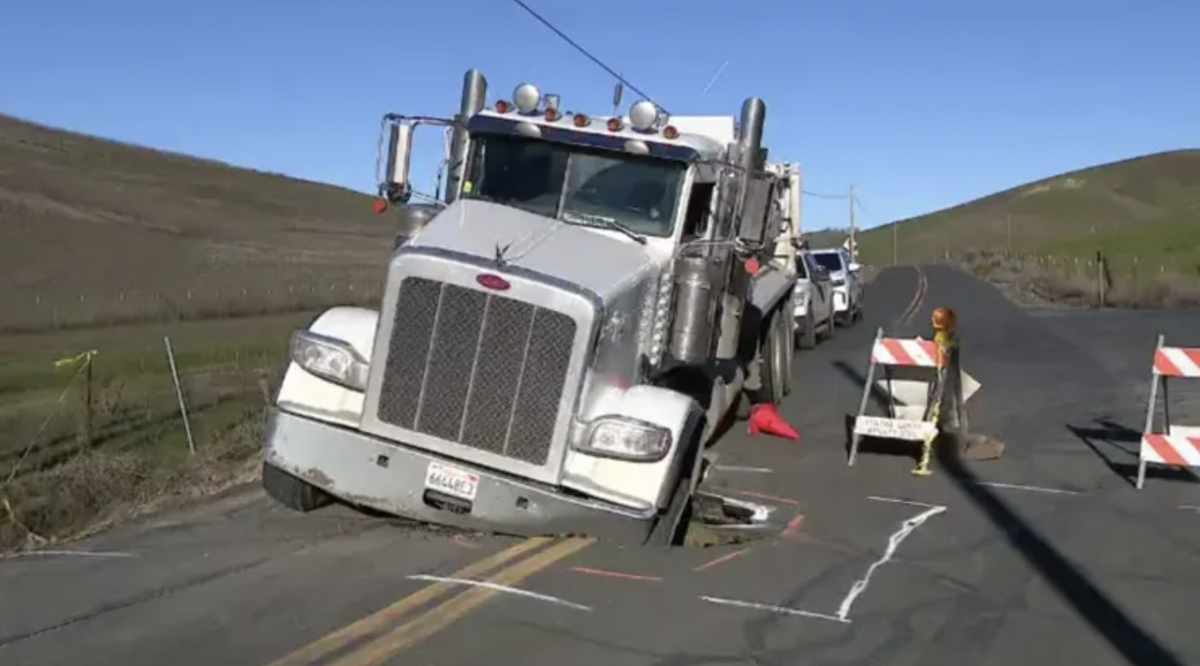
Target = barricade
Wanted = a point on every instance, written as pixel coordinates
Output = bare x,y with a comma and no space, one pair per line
1173,445
918,377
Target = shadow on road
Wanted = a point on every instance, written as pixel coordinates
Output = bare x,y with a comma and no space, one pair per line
1077,589
1106,438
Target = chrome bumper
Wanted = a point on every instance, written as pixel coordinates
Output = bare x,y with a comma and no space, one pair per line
389,477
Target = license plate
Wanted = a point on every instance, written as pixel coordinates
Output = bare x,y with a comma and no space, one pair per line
452,481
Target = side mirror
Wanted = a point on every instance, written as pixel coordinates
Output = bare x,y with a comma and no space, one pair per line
396,187
854,266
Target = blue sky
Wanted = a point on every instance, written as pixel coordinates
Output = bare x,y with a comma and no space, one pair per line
921,104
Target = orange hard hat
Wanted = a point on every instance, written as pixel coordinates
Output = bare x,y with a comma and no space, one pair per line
944,319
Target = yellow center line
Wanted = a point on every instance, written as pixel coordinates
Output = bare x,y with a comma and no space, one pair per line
382,618
441,616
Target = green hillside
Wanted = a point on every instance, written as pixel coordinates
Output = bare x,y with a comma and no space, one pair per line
1146,207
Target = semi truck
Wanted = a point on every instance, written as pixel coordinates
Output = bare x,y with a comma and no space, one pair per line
561,331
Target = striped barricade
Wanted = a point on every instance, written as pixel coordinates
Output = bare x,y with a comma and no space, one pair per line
1173,445
914,370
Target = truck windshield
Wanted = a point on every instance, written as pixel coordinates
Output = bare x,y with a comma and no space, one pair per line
579,185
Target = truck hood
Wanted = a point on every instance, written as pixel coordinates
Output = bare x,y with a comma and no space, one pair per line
585,257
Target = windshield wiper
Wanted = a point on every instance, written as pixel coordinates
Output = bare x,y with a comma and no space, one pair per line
610,222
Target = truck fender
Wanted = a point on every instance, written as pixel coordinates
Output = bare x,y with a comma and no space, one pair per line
301,392
642,484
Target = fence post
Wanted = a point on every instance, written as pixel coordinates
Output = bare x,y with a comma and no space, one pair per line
1101,282
87,402
187,426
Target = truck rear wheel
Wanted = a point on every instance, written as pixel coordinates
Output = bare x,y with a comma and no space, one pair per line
770,369
291,492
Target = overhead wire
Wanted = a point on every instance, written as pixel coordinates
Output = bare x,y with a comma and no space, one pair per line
587,54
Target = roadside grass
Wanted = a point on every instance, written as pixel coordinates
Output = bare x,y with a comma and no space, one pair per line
66,470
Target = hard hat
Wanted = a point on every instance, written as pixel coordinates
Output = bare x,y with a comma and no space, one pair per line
944,319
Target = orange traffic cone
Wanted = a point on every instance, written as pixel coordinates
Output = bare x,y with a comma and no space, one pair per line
765,418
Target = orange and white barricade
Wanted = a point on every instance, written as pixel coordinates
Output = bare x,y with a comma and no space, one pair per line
913,371
1173,445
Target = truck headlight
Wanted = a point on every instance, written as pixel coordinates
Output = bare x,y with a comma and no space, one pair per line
331,359
624,438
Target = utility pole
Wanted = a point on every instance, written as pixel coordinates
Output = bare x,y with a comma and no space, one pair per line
853,229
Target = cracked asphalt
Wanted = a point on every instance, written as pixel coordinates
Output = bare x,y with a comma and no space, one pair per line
1046,556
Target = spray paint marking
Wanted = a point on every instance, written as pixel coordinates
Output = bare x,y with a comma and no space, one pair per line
722,559
748,470
897,500
894,542
501,588
67,553
1036,489
778,610
1189,507
588,571
465,542
793,526
772,498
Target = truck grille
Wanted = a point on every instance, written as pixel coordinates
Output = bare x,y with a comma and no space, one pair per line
478,369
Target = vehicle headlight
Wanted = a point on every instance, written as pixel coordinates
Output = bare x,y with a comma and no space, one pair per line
626,439
331,359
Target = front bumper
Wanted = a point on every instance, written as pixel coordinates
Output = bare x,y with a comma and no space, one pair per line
386,476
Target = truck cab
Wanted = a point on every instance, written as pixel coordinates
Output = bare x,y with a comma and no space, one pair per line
560,334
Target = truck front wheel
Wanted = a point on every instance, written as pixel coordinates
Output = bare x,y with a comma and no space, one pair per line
291,492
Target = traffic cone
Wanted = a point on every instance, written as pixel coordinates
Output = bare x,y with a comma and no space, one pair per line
765,418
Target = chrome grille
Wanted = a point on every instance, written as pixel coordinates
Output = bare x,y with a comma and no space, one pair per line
479,369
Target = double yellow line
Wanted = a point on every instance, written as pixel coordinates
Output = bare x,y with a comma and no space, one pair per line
386,632
918,298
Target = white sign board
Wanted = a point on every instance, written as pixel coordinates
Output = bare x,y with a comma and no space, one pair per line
876,426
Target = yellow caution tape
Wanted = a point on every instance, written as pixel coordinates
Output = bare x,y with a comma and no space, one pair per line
85,357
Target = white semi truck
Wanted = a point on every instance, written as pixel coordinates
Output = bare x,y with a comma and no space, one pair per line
560,334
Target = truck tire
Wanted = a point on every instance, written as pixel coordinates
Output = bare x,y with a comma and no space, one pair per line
291,492
781,348
769,370
808,337
787,333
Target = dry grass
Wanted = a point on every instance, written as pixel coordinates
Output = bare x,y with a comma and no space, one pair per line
66,469
1141,213
1049,281
93,230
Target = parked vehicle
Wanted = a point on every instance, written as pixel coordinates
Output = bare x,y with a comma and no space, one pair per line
845,276
560,334
813,299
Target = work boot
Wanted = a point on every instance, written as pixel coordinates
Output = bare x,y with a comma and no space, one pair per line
765,418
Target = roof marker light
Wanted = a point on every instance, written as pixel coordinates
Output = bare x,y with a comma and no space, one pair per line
670,132
526,97
642,115
502,106
581,120
615,124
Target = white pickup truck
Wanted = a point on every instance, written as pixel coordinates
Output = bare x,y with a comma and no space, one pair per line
847,284
813,301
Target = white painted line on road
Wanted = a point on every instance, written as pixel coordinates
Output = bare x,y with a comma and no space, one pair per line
748,470
67,553
906,528
1036,489
779,610
502,588
897,500
1189,507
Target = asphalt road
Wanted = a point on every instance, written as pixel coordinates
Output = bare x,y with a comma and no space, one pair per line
1047,556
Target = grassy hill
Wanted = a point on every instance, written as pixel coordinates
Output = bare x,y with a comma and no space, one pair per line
91,227
1146,207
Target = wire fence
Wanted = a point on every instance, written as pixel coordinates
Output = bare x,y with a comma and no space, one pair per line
86,435
1098,280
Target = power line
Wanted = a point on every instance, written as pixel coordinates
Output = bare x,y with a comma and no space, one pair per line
818,195
586,53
